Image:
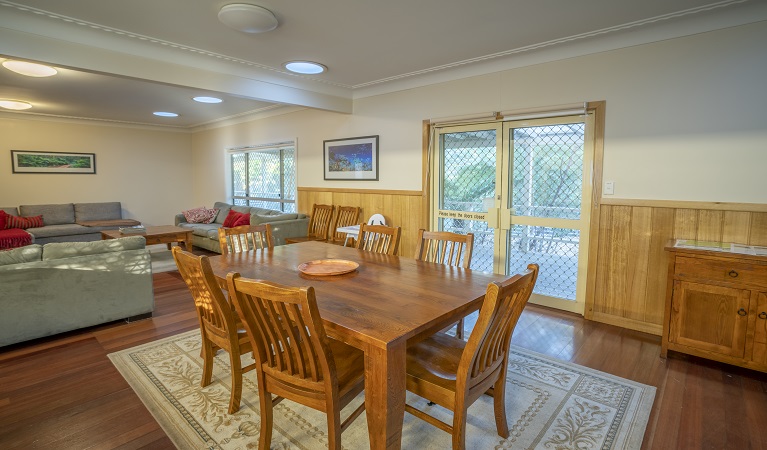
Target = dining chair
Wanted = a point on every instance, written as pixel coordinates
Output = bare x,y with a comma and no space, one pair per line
319,225
244,238
298,362
218,322
345,216
444,247
454,373
379,238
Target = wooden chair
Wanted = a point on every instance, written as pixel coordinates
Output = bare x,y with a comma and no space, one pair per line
319,225
345,216
444,247
298,362
218,321
379,238
454,373
244,238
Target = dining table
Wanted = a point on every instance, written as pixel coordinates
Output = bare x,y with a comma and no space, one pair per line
380,306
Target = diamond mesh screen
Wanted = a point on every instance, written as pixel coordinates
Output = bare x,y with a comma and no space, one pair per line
548,171
482,254
555,250
468,169
263,175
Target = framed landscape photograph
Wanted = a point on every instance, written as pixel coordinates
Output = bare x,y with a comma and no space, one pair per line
351,158
53,162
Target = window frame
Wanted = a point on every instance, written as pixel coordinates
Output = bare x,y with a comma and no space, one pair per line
248,199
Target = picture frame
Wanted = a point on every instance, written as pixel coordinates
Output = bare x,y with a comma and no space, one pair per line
52,162
351,158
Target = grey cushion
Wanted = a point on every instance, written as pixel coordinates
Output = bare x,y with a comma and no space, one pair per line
203,229
29,253
241,209
97,211
52,214
60,230
256,219
223,210
59,250
10,210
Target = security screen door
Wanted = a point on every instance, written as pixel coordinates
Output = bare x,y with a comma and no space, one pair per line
523,189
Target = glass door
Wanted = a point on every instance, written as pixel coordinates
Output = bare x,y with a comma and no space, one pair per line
523,189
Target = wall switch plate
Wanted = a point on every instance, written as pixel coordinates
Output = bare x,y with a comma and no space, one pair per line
609,188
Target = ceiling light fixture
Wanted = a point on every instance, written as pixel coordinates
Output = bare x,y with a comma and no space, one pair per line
29,69
14,104
165,114
247,18
207,99
305,67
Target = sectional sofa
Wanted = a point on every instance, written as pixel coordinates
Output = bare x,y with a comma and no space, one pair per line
72,222
284,225
60,287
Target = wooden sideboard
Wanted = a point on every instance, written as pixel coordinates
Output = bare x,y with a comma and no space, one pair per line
716,305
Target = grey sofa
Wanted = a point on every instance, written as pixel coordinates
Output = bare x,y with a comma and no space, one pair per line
72,222
65,286
284,225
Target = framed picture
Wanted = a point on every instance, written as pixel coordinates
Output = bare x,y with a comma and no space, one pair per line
351,158
52,162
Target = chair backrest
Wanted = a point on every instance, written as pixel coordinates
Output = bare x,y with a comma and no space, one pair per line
488,344
319,222
298,354
377,219
345,216
214,311
244,238
379,238
444,247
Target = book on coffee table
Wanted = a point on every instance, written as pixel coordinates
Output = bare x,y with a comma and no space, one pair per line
136,229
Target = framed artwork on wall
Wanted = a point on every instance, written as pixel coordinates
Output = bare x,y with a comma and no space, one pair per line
52,162
351,158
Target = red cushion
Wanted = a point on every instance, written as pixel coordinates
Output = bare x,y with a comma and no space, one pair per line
230,218
243,219
2,219
23,222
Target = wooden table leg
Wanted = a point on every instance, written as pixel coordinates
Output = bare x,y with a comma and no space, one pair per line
188,242
385,395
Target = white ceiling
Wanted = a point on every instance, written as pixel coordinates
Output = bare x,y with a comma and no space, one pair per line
120,60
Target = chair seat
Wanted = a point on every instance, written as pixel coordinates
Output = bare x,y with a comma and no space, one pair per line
434,361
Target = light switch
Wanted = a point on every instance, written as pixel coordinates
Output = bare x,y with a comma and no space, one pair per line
609,187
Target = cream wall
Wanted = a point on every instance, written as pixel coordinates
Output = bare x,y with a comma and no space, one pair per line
686,120
146,170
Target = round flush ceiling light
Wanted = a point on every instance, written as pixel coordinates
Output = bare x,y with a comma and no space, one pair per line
29,69
14,104
207,99
165,114
247,18
305,67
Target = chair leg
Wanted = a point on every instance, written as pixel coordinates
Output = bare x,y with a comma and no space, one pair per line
499,403
207,362
459,329
267,418
459,427
334,427
234,400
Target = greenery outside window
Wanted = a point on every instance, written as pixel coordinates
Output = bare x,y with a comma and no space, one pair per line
264,176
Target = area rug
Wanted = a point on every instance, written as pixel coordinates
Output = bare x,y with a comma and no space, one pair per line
162,259
551,404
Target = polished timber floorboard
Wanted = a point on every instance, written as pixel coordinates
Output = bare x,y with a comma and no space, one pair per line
64,393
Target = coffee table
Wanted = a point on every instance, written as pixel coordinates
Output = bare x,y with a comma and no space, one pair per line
161,234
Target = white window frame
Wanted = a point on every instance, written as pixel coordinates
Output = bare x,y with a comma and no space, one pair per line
247,198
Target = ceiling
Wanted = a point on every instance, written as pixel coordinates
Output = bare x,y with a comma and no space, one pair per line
121,60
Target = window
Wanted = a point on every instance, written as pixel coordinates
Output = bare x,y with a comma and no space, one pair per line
264,176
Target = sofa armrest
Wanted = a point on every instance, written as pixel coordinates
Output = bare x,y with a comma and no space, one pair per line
179,219
289,228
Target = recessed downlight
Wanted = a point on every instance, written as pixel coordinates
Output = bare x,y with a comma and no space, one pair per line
29,69
14,104
305,67
207,99
165,114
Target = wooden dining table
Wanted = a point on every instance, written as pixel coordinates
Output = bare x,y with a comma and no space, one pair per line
380,307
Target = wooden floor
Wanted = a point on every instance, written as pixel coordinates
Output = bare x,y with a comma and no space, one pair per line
64,393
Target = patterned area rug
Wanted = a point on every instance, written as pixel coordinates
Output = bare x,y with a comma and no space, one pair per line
551,404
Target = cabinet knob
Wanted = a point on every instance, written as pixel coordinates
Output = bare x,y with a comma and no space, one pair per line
762,315
733,274
742,312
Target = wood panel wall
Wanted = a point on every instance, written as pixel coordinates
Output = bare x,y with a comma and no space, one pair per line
631,264
400,208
